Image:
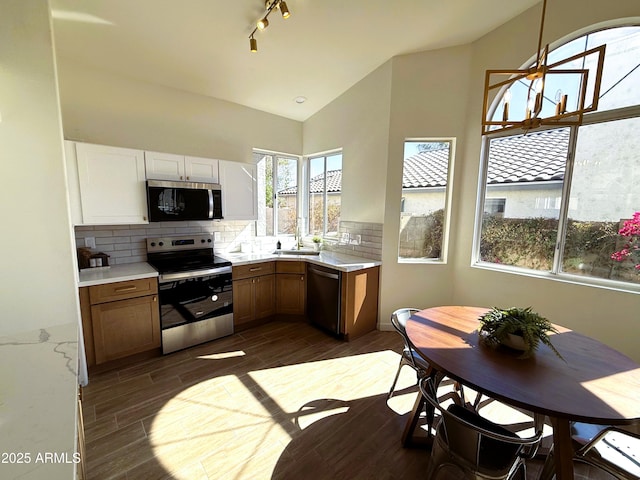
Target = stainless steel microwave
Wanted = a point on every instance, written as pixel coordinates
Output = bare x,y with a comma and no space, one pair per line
181,201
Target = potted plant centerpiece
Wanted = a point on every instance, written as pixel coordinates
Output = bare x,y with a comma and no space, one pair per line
518,328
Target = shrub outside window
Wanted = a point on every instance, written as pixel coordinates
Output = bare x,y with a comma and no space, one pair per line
325,193
425,177
567,192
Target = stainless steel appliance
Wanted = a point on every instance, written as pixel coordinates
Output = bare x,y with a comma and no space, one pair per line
179,201
195,290
323,298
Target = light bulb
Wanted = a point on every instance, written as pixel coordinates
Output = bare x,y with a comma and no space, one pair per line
262,23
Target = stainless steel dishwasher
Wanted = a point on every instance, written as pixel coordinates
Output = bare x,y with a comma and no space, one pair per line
323,297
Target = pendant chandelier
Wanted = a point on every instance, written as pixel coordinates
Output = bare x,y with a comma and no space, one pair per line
524,101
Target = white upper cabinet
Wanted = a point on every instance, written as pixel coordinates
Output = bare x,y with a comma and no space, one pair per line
239,190
112,185
198,169
168,166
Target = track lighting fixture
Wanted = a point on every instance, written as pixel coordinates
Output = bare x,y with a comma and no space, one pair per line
264,21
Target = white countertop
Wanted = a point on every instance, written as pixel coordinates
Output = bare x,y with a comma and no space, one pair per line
116,273
339,261
38,398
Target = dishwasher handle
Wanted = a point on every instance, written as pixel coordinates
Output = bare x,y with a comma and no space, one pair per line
322,273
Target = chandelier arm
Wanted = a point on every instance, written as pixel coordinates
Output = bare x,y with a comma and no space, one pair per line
544,9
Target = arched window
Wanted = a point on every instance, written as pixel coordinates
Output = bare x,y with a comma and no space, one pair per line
567,193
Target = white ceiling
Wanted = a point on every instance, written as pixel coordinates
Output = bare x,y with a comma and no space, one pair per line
325,47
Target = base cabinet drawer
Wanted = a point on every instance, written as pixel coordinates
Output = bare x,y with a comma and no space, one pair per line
125,327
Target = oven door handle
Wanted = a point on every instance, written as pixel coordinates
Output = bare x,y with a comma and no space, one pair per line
169,277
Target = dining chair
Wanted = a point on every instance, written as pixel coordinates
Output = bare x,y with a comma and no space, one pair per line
409,355
474,445
611,449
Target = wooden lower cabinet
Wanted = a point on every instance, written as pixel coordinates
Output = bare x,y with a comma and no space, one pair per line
359,302
120,320
291,288
254,288
125,327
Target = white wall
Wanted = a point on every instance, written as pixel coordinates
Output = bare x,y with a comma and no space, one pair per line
357,122
607,315
99,107
37,283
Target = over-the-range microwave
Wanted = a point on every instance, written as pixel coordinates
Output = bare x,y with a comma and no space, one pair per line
170,201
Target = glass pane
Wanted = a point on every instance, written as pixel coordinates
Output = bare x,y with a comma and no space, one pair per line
287,191
264,163
334,195
522,199
604,194
325,195
424,184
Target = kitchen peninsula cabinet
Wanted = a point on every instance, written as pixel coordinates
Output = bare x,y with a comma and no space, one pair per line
120,319
168,166
107,184
254,291
359,302
290,288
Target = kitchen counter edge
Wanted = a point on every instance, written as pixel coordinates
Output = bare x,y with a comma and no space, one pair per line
339,261
116,273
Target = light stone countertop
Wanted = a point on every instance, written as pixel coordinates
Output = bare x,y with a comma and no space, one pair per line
116,273
38,400
339,261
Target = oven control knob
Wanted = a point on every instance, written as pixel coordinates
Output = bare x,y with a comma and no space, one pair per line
214,298
208,240
202,240
153,244
161,243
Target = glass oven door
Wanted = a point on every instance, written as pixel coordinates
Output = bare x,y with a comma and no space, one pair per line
193,299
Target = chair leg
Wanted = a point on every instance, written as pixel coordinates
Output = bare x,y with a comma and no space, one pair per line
395,380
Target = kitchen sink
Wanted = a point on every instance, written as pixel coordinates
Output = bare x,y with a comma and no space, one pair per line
296,252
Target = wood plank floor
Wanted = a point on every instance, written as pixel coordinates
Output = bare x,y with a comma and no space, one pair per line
280,401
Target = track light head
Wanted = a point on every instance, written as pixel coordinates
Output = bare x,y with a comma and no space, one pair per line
262,23
284,9
253,44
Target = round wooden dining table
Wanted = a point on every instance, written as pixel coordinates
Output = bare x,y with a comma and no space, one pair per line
593,383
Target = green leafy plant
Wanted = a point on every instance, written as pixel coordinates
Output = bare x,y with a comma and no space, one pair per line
498,323
316,239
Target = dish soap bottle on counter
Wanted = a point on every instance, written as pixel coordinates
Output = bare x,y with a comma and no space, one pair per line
278,245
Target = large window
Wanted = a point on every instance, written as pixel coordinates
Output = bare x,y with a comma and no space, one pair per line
555,200
325,190
277,194
425,176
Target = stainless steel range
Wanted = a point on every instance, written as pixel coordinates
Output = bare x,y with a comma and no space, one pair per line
196,297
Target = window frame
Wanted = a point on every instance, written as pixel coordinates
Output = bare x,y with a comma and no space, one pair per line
556,273
275,156
307,190
448,193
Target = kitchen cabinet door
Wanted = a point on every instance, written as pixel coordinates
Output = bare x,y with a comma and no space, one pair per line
112,185
290,293
239,190
265,291
198,169
243,295
164,166
125,327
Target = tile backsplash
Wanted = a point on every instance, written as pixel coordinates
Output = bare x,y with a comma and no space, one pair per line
127,243
362,239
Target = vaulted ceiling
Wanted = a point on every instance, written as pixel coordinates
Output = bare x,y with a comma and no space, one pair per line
325,47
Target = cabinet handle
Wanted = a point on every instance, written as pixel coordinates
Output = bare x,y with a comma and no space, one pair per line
125,289
180,177
302,278
255,269
155,299
144,219
187,178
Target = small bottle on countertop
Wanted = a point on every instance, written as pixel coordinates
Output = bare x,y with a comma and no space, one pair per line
278,245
